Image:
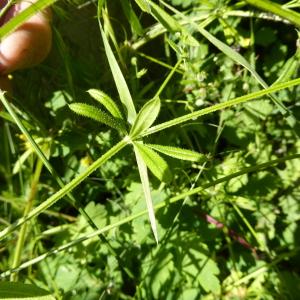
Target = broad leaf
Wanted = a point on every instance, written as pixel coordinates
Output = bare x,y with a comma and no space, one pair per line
146,116
96,114
179,153
146,189
156,164
107,102
21,291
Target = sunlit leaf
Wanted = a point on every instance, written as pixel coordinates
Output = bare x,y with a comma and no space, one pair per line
144,5
146,116
164,18
156,164
107,102
179,153
96,114
119,79
146,189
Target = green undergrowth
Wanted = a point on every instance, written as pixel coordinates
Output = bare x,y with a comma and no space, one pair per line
155,154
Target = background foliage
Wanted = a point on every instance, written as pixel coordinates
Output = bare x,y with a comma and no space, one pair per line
235,240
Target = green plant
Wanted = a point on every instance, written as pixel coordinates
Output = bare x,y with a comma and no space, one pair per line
191,259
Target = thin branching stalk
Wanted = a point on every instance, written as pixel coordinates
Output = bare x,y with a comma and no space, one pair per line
28,207
255,168
66,189
219,106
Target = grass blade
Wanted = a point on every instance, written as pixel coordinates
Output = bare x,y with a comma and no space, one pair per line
238,58
164,18
146,189
119,79
277,9
20,18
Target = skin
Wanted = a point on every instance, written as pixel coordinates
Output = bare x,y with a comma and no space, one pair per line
28,45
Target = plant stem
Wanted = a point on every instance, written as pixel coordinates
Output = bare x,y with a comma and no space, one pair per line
276,9
156,207
219,106
23,229
66,189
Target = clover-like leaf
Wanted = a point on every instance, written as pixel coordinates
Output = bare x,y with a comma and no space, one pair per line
107,102
179,153
96,114
156,164
145,118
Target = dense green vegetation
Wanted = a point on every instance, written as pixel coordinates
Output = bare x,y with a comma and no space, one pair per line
155,154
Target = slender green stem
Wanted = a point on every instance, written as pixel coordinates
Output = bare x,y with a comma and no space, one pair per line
43,158
276,9
66,189
156,207
16,21
6,7
219,106
28,207
170,75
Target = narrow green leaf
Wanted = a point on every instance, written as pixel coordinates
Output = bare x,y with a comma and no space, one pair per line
96,114
238,58
179,153
21,291
164,18
133,20
20,18
144,5
119,79
277,9
156,164
146,116
146,189
107,102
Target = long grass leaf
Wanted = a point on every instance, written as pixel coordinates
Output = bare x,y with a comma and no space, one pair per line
146,189
119,79
277,9
170,23
133,20
20,18
238,58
